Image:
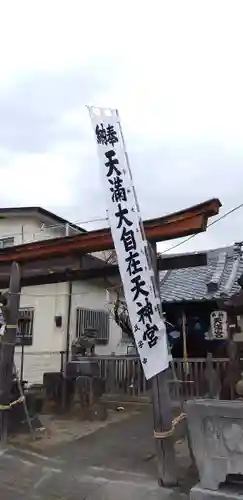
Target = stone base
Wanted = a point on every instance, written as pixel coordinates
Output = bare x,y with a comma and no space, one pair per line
216,430
225,493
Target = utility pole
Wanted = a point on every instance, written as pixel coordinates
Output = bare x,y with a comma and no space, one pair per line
162,411
10,308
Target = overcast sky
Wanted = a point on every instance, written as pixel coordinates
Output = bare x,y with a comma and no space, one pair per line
174,71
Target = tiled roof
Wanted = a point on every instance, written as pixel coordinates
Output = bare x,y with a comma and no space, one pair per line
218,279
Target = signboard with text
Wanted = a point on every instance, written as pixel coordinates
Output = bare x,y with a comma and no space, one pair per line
219,326
130,243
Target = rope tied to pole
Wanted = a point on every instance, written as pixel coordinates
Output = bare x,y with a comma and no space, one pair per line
13,403
170,432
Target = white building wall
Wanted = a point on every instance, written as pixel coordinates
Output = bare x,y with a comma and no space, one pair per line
92,294
49,301
43,355
28,229
238,337
20,228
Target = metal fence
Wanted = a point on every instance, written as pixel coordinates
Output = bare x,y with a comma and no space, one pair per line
190,380
124,375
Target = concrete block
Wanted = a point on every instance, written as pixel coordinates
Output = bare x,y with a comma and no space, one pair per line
216,431
226,493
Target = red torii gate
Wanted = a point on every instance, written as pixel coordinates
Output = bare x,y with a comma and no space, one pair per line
176,225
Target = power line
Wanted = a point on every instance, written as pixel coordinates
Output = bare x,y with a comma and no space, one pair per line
95,219
194,235
109,288
64,294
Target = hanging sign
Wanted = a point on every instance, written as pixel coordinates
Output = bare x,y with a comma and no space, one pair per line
219,326
130,244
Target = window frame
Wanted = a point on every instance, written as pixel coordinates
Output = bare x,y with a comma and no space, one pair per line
26,314
93,317
4,240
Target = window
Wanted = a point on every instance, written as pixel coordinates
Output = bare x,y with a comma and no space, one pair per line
97,320
25,326
6,242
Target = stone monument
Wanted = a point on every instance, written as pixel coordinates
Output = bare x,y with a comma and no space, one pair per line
216,431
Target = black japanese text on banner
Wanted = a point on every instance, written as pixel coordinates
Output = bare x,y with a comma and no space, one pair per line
130,243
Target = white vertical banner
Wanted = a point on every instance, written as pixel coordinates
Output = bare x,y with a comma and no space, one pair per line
129,241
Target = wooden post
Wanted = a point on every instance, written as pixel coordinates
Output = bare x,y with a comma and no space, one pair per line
162,410
67,349
185,356
10,312
185,353
22,359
